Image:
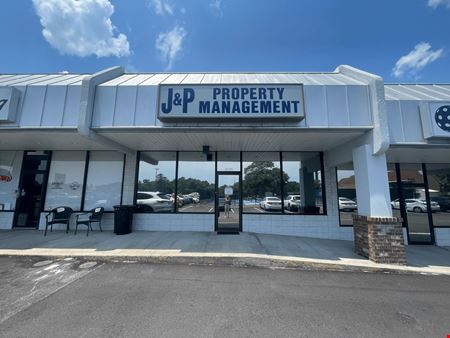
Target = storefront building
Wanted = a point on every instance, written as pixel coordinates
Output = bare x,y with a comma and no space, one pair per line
301,154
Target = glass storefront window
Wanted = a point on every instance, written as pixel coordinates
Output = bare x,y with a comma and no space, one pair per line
156,182
104,180
302,183
65,181
10,164
414,202
439,188
261,181
346,195
228,161
393,190
196,182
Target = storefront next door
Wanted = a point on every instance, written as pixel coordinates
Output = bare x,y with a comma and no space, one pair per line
31,190
228,214
412,202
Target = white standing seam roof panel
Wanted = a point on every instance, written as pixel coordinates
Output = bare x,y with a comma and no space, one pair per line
118,80
76,81
154,80
211,78
6,77
233,78
52,80
22,81
174,79
14,78
193,79
137,80
40,79
417,92
46,100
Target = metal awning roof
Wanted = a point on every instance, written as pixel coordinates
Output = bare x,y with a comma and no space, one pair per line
417,92
232,78
41,79
146,79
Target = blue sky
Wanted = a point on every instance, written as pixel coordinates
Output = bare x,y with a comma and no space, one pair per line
401,40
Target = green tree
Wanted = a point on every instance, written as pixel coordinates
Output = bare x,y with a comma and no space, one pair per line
161,184
262,177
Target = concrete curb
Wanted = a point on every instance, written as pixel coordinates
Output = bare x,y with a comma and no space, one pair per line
223,260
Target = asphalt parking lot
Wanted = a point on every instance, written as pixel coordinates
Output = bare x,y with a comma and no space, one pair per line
75,298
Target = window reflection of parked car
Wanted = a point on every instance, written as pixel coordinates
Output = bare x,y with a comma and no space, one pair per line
292,202
443,201
195,197
346,204
179,200
395,204
416,205
270,203
153,201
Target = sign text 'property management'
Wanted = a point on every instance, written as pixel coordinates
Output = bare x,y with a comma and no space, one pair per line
230,102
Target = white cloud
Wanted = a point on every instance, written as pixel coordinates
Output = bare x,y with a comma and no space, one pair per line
81,27
216,6
161,7
169,44
435,3
415,60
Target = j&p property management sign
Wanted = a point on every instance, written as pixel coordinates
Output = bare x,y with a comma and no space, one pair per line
228,102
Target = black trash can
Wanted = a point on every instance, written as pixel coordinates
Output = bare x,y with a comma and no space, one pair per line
123,219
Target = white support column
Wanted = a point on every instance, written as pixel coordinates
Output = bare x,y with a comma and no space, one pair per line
372,186
129,178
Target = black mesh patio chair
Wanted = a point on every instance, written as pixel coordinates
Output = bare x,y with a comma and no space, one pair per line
94,216
59,215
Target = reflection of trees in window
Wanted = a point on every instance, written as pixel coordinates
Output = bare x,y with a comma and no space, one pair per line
161,184
196,184
156,178
303,181
444,181
262,177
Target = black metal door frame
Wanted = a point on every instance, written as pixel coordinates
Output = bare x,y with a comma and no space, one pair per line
216,198
48,156
403,211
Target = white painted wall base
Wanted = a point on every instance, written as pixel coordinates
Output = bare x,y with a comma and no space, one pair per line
326,227
442,236
6,220
173,222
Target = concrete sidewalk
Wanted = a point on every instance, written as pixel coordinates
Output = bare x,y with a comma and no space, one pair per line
246,249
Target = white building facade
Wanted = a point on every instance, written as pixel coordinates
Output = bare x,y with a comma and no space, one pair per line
282,153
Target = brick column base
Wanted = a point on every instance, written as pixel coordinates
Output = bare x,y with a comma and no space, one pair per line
380,239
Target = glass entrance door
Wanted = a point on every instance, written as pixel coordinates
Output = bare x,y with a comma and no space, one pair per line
413,203
31,191
228,203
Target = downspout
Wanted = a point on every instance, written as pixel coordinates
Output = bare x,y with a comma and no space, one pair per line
380,132
88,87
